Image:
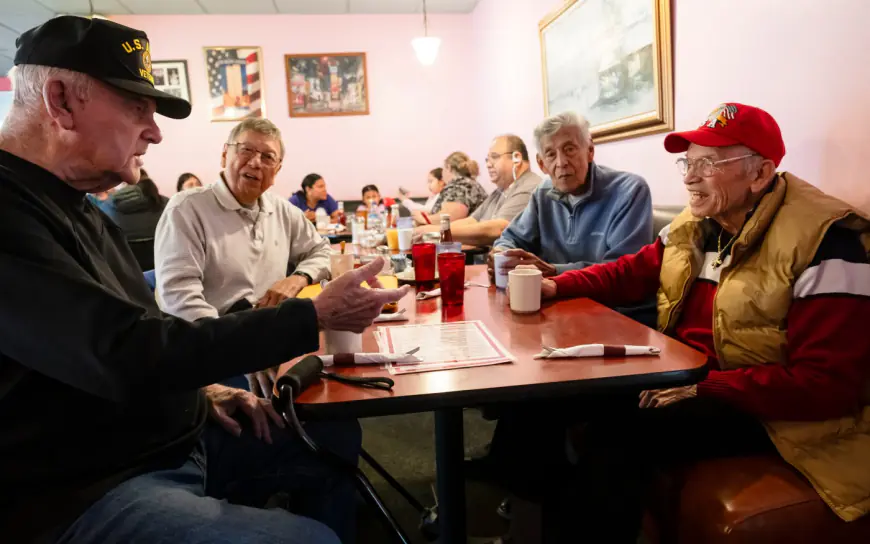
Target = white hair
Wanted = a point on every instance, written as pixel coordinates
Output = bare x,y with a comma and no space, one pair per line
260,125
28,81
553,124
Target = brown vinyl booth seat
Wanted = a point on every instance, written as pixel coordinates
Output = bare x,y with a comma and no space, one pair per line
741,499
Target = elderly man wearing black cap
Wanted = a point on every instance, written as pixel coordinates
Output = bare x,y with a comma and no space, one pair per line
770,278
107,405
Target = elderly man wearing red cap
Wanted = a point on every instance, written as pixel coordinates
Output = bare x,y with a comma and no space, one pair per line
769,277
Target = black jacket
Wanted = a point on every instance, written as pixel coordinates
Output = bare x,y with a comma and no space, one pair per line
135,213
96,385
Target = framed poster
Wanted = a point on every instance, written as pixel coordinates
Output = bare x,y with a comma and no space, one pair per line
235,82
325,84
610,60
170,76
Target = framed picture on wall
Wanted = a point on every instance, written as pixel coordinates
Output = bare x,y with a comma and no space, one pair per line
325,84
170,76
235,82
610,60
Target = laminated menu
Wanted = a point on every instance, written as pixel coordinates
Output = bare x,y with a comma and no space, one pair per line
442,346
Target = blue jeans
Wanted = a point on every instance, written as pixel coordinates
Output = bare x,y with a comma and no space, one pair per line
216,495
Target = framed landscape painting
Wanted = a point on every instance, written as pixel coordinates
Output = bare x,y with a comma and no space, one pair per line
610,60
326,84
235,80
171,76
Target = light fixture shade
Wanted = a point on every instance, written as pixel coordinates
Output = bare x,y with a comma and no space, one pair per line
426,49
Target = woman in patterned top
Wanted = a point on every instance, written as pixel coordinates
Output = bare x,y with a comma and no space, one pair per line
461,194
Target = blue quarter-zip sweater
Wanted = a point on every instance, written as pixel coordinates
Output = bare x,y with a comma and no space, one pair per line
611,219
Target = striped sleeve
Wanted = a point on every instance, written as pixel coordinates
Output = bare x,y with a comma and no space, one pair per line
828,352
839,268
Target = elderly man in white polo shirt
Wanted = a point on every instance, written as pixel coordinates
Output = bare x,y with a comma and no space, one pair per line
229,245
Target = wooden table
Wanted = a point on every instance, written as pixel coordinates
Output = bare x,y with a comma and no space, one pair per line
560,324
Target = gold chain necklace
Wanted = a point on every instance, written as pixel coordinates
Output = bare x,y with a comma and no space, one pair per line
718,261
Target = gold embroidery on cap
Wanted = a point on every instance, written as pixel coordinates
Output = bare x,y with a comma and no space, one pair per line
146,58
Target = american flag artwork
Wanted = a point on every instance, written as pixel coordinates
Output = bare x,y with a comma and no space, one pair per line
234,81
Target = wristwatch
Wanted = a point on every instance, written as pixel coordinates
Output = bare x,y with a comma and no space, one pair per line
307,277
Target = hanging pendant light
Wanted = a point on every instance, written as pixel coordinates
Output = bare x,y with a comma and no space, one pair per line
427,46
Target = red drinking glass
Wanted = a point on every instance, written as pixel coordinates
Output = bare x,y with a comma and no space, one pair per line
451,270
424,262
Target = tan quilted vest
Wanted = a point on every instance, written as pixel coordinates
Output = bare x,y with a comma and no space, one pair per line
749,322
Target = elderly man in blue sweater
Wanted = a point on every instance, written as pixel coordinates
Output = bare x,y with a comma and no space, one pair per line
583,213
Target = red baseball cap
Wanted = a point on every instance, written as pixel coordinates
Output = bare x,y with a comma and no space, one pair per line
733,124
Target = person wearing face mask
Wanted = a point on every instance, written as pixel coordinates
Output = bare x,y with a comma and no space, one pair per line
582,214
508,165
234,241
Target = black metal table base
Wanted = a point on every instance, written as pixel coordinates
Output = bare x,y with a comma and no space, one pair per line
449,457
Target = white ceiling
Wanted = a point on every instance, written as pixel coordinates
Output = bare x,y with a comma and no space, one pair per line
17,16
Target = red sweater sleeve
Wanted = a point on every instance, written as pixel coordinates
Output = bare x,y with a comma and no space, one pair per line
828,356
629,280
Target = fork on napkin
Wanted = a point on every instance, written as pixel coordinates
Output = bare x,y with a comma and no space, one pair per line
596,350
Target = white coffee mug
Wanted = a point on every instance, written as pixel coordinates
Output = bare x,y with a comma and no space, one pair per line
340,263
501,278
341,342
525,290
406,239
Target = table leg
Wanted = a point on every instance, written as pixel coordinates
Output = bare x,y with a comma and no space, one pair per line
449,456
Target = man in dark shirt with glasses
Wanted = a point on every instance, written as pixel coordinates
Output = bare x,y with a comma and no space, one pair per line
104,401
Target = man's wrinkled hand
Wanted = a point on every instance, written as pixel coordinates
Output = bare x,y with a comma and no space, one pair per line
660,398
224,402
289,287
523,257
262,382
344,305
548,289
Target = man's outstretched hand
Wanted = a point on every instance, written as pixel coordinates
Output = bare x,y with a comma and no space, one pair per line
344,305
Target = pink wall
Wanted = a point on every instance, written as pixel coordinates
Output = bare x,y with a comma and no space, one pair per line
418,115
802,60
5,84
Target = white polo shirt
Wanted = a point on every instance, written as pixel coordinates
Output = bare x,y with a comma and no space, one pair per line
210,251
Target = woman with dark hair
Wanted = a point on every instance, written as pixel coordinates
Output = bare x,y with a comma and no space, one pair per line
434,183
137,209
313,195
187,181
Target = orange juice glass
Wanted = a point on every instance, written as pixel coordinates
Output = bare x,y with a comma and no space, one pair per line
393,239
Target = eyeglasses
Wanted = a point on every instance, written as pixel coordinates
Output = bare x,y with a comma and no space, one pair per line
269,159
705,167
492,157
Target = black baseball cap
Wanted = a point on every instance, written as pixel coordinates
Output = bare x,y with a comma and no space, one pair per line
115,54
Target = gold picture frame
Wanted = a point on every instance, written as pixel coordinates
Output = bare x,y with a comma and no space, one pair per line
611,61
327,84
235,82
